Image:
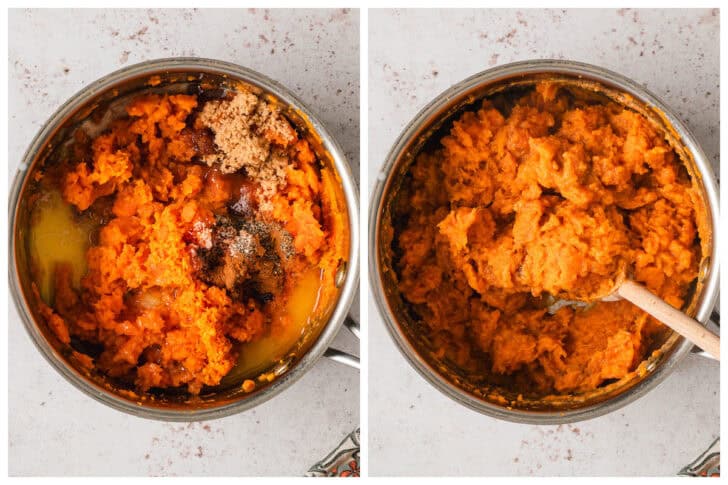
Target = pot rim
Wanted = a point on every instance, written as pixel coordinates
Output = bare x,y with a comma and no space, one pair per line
385,176
348,288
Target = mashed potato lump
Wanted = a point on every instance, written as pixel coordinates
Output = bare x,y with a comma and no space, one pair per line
538,195
210,223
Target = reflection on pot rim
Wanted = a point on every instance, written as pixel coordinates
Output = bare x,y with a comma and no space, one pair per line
409,143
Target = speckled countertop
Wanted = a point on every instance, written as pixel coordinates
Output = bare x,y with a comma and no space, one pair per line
53,428
415,55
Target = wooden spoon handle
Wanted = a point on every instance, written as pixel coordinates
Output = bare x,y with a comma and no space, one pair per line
670,316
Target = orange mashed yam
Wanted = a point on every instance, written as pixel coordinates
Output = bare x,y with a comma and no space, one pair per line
146,309
545,193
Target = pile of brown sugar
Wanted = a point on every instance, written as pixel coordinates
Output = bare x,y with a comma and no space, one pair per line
252,135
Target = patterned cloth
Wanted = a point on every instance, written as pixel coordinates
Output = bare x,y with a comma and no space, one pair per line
706,465
342,462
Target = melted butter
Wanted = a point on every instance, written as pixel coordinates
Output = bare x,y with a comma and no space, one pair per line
287,327
58,236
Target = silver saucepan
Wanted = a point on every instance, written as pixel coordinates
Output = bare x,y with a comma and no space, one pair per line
403,326
182,75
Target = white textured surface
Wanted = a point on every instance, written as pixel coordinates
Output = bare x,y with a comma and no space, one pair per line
415,55
53,428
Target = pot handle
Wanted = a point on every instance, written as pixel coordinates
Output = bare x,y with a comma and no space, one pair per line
713,321
341,356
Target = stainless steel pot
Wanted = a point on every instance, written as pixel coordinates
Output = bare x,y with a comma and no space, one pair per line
180,75
403,327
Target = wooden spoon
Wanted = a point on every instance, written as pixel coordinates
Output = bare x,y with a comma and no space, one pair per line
637,294
672,317
625,288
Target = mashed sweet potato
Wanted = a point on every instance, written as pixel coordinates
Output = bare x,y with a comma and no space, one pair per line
545,193
192,256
